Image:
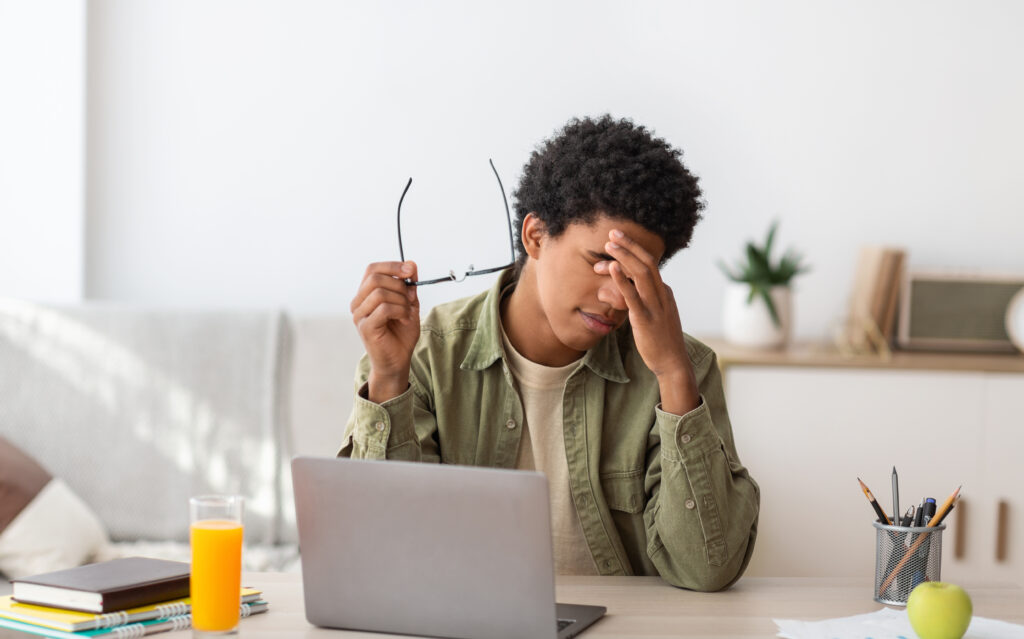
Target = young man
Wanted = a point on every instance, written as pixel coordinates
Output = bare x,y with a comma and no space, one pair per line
574,363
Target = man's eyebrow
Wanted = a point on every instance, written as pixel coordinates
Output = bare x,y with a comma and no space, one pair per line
601,256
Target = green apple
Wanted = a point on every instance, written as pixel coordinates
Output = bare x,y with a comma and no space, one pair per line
938,610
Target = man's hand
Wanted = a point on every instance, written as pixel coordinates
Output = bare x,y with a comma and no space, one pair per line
654,318
386,311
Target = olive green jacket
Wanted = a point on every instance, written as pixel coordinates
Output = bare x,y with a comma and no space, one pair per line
656,493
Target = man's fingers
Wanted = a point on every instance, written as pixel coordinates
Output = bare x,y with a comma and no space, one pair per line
645,279
627,289
380,296
634,247
394,269
382,314
375,281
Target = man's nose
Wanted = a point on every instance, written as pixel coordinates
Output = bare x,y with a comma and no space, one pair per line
609,294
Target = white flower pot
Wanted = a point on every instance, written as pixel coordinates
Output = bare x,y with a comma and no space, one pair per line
751,325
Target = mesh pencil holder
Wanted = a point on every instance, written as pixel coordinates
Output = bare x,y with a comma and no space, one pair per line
904,557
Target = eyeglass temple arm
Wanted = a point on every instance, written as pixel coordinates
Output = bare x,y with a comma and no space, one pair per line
401,251
508,216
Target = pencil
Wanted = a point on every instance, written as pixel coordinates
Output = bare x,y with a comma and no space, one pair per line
951,507
946,505
939,515
895,498
874,504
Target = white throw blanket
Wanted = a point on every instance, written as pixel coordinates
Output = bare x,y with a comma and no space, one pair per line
138,409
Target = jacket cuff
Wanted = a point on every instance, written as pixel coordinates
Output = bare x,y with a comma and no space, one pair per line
687,437
378,427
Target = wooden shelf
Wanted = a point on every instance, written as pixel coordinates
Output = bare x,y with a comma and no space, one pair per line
824,355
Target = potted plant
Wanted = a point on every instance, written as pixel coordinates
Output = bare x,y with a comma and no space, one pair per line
758,304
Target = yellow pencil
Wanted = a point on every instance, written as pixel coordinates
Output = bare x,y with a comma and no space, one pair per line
934,521
946,505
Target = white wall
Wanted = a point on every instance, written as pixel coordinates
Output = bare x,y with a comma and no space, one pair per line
252,153
42,137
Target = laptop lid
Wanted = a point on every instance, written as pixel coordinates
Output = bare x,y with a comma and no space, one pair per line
429,549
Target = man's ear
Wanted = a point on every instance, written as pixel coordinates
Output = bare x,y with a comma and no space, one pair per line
534,234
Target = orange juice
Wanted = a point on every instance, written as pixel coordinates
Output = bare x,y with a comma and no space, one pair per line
216,574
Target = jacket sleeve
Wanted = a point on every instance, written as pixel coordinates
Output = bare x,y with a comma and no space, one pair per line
702,504
402,428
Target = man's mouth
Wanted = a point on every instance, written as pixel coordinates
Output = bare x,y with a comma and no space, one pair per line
598,323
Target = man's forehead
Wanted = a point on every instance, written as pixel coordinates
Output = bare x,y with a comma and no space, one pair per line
600,226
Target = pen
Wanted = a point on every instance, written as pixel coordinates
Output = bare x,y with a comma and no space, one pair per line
927,511
895,495
924,515
874,504
907,521
908,517
919,515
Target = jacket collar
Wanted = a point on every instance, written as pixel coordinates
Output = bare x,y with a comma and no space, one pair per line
603,359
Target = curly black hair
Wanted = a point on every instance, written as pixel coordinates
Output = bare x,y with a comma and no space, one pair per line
610,167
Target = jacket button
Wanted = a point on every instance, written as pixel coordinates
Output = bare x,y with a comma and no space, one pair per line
510,424
690,504
685,438
380,426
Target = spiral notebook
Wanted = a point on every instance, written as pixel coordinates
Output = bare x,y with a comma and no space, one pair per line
74,621
150,627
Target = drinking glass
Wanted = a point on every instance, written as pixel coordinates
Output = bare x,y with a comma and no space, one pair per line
216,537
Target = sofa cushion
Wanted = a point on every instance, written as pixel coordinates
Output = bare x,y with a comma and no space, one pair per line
56,530
44,526
21,479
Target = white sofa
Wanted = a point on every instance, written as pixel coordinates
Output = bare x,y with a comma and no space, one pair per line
135,409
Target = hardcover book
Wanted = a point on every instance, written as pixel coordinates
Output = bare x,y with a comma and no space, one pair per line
117,584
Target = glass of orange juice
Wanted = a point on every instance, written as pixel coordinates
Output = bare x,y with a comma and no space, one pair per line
216,536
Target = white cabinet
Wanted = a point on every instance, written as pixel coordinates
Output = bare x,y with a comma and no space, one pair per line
806,433
1003,460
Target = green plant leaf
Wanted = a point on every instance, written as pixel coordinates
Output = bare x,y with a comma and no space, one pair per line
766,296
768,242
763,292
757,268
789,267
735,277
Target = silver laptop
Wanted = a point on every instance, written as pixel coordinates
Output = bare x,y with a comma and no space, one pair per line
429,549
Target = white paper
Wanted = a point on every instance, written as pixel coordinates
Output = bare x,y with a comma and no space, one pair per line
887,623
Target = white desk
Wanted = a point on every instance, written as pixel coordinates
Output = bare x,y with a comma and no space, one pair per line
647,607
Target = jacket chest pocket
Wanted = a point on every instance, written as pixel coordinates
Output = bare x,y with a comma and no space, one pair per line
624,491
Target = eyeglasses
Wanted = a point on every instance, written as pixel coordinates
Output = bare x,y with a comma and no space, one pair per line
471,270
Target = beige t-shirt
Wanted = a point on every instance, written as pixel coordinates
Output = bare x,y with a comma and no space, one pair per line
542,448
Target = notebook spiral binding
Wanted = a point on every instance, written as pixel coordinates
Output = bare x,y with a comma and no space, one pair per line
132,631
112,619
172,610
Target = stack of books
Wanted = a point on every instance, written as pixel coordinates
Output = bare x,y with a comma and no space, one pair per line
133,596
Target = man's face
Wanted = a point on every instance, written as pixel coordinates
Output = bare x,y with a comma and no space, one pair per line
580,305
